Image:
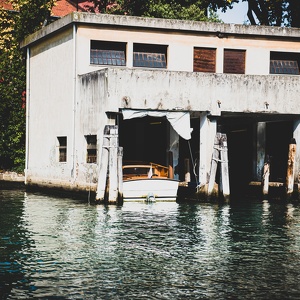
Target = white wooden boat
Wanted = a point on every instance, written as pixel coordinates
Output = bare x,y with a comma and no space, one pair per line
148,182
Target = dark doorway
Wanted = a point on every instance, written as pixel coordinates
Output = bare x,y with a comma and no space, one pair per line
189,151
278,137
240,153
144,139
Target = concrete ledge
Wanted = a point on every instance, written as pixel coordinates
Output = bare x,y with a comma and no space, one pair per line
12,176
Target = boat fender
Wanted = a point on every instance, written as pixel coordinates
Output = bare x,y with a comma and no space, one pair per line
150,197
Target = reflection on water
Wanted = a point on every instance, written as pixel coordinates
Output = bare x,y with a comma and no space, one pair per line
53,248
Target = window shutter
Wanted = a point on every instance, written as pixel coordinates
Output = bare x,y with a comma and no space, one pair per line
234,61
204,60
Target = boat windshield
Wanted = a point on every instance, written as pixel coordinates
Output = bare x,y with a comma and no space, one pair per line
135,170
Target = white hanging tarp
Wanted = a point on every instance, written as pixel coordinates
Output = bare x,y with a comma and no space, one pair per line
179,120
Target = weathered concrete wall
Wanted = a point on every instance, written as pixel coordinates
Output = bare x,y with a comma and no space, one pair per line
50,108
91,119
217,93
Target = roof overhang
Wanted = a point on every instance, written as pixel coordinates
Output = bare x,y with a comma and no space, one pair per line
219,30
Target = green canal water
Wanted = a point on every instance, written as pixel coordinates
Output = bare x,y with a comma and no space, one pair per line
61,248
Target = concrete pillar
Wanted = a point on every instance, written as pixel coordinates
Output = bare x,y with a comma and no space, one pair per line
219,60
129,56
208,130
296,136
174,147
260,150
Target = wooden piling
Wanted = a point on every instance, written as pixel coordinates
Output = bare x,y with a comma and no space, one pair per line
113,166
120,174
102,176
224,167
265,177
187,172
219,155
291,168
214,165
110,179
170,163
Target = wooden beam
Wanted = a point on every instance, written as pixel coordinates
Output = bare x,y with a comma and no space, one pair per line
170,163
214,165
187,171
224,167
102,176
266,177
113,165
120,174
291,167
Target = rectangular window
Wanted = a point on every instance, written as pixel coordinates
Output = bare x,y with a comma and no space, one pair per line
62,148
284,63
108,53
204,60
91,141
150,56
234,61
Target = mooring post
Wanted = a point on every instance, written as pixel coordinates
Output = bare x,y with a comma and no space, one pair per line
214,164
120,174
170,163
102,176
187,171
291,168
224,167
266,176
113,165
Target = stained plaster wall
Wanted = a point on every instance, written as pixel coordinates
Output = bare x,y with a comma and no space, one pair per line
50,108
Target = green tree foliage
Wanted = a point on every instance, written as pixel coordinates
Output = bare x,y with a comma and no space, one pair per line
260,12
26,17
274,12
171,9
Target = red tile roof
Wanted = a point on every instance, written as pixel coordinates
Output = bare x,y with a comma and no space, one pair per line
61,7
5,5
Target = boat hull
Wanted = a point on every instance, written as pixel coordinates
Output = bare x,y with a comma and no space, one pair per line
150,189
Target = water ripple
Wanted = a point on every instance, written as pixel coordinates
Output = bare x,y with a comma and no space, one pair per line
53,248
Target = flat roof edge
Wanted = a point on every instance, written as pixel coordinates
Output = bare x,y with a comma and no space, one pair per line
46,30
163,24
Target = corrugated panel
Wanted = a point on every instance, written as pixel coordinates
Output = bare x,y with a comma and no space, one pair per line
149,60
234,61
205,60
108,57
284,67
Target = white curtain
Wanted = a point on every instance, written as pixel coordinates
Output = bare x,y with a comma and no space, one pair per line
179,120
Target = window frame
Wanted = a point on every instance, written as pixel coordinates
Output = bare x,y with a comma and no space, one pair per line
91,148
108,53
150,56
62,149
284,63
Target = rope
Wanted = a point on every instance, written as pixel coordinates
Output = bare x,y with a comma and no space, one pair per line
193,164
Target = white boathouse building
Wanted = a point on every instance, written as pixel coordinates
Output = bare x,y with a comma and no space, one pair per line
86,71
